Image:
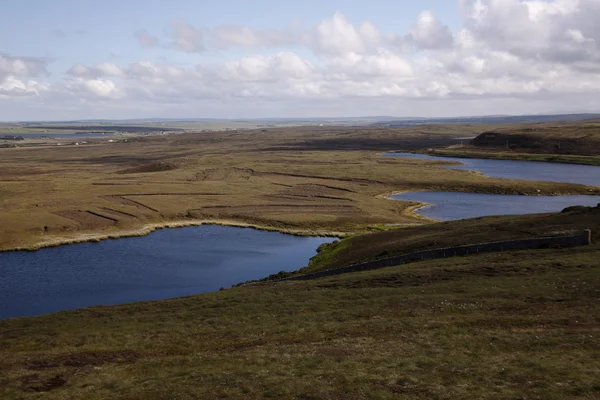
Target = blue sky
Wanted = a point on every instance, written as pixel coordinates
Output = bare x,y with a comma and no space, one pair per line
99,30
87,59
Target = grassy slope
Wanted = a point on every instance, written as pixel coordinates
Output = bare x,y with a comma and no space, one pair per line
511,325
455,233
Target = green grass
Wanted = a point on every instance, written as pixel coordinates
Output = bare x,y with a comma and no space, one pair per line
388,243
508,325
514,325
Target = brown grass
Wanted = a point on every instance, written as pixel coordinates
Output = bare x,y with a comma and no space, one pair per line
568,142
303,180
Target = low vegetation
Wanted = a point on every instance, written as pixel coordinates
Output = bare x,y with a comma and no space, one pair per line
567,142
389,243
508,325
306,180
517,324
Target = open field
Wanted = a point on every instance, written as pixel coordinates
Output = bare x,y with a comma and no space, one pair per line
521,324
307,180
158,126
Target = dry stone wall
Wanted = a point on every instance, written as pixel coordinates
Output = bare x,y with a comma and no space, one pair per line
582,239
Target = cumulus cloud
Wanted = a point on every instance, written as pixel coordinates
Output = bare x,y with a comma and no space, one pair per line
22,66
337,36
429,33
14,87
564,31
526,51
14,72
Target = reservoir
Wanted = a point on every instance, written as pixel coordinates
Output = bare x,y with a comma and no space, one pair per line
526,170
445,206
165,264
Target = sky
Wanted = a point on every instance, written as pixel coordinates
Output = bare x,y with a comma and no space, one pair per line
116,59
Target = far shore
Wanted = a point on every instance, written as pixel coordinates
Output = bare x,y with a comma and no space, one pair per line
146,229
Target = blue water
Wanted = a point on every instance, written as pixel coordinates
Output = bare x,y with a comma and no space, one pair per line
447,206
527,170
165,264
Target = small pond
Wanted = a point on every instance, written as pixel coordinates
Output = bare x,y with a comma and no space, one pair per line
165,264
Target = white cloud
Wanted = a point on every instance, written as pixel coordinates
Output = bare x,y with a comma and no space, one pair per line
338,36
22,66
13,87
564,31
525,51
429,33
81,88
282,66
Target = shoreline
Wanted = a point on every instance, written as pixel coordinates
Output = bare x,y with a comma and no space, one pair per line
413,210
153,227
573,159
144,230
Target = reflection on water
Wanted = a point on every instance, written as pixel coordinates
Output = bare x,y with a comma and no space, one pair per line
167,263
527,170
446,206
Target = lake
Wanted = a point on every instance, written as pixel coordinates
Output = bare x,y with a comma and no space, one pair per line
445,206
527,170
448,206
165,264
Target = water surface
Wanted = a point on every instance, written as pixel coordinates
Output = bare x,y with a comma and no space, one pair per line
526,170
447,206
165,264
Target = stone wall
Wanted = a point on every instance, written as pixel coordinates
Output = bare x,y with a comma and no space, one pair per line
582,239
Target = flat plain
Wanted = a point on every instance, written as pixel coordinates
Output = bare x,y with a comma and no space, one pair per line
305,180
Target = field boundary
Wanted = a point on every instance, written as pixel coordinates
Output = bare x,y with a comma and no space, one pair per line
581,239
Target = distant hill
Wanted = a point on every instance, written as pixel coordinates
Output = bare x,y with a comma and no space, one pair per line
494,119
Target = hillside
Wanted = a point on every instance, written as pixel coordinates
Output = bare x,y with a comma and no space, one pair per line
569,142
508,325
575,139
456,233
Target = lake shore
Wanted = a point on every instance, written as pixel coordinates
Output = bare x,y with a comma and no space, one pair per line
61,240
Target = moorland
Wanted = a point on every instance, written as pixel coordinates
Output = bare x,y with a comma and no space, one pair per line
304,180
515,324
